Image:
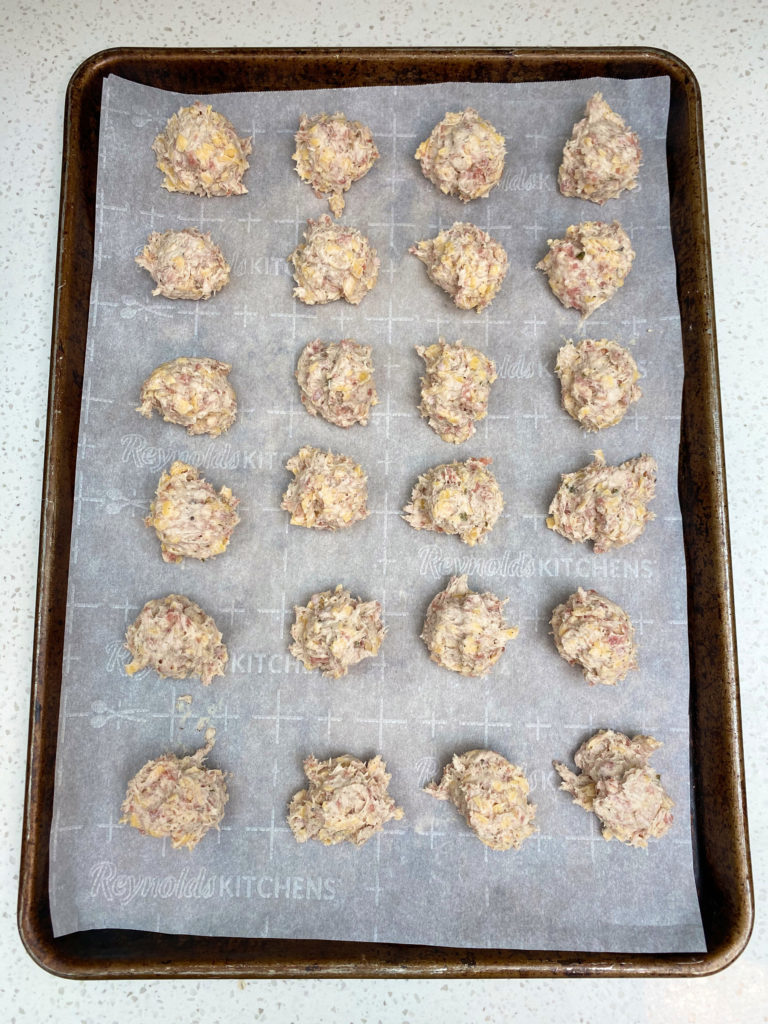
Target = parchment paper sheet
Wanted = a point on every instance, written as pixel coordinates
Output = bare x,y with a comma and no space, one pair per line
425,879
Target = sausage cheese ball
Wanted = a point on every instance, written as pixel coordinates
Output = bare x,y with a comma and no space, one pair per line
458,497
464,631
465,262
331,154
589,265
199,152
193,392
333,262
336,381
492,794
176,638
595,633
464,155
618,784
455,389
602,157
184,264
335,631
347,801
191,520
328,491
605,504
598,380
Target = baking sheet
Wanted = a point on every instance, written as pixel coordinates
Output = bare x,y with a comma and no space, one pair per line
425,879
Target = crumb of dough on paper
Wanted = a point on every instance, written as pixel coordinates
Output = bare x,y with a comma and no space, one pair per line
462,498
328,492
589,265
176,638
334,262
455,388
336,381
184,264
602,158
193,392
596,634
200,153
335,631
463,156
618,784
465,262
331,154
598,381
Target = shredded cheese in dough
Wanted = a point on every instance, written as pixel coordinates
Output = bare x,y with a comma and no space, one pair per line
458,497
593,632
176,638
465,262
455,389
331,154
192,392
184,264
336,381
463,156
334,262
328,492
199,153
335,631
602,157
598,382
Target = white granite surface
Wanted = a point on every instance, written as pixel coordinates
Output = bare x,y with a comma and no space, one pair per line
41,44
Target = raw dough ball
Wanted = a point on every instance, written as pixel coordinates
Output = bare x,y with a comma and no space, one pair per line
605,504
589,265
176,797
184,264
336,381
602,157
492,794
193,392
199,153
597,634
190,519
331,154
617,783
455,389
328,491
464,155
466,263
598,381
335,631
177,639
465,631
334,262
347,800
457,497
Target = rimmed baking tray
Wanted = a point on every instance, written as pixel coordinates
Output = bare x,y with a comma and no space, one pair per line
724,878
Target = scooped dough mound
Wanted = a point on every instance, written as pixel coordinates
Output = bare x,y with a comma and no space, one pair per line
334,262
589,265
458,497
335,631
597,634
176,798
191,520
605,504
598,382
328,491
455,389
617,783
193,392
336,381
332,153
492,794
466,263
464,155
200,153
347,801
176,638
465,631
184,264
602,157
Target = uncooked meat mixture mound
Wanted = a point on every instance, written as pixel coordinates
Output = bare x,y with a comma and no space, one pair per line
455,389
336,381
602,157
465,631
598,382
589,265
492,794
193,392
176,638
617,783
465,262
191,520
347,801
332,153
459,497
335,631
200,153
464,155
328,491
595,633
333,262
177,798
605,504
184,264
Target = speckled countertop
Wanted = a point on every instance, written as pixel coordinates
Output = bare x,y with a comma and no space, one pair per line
41,44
